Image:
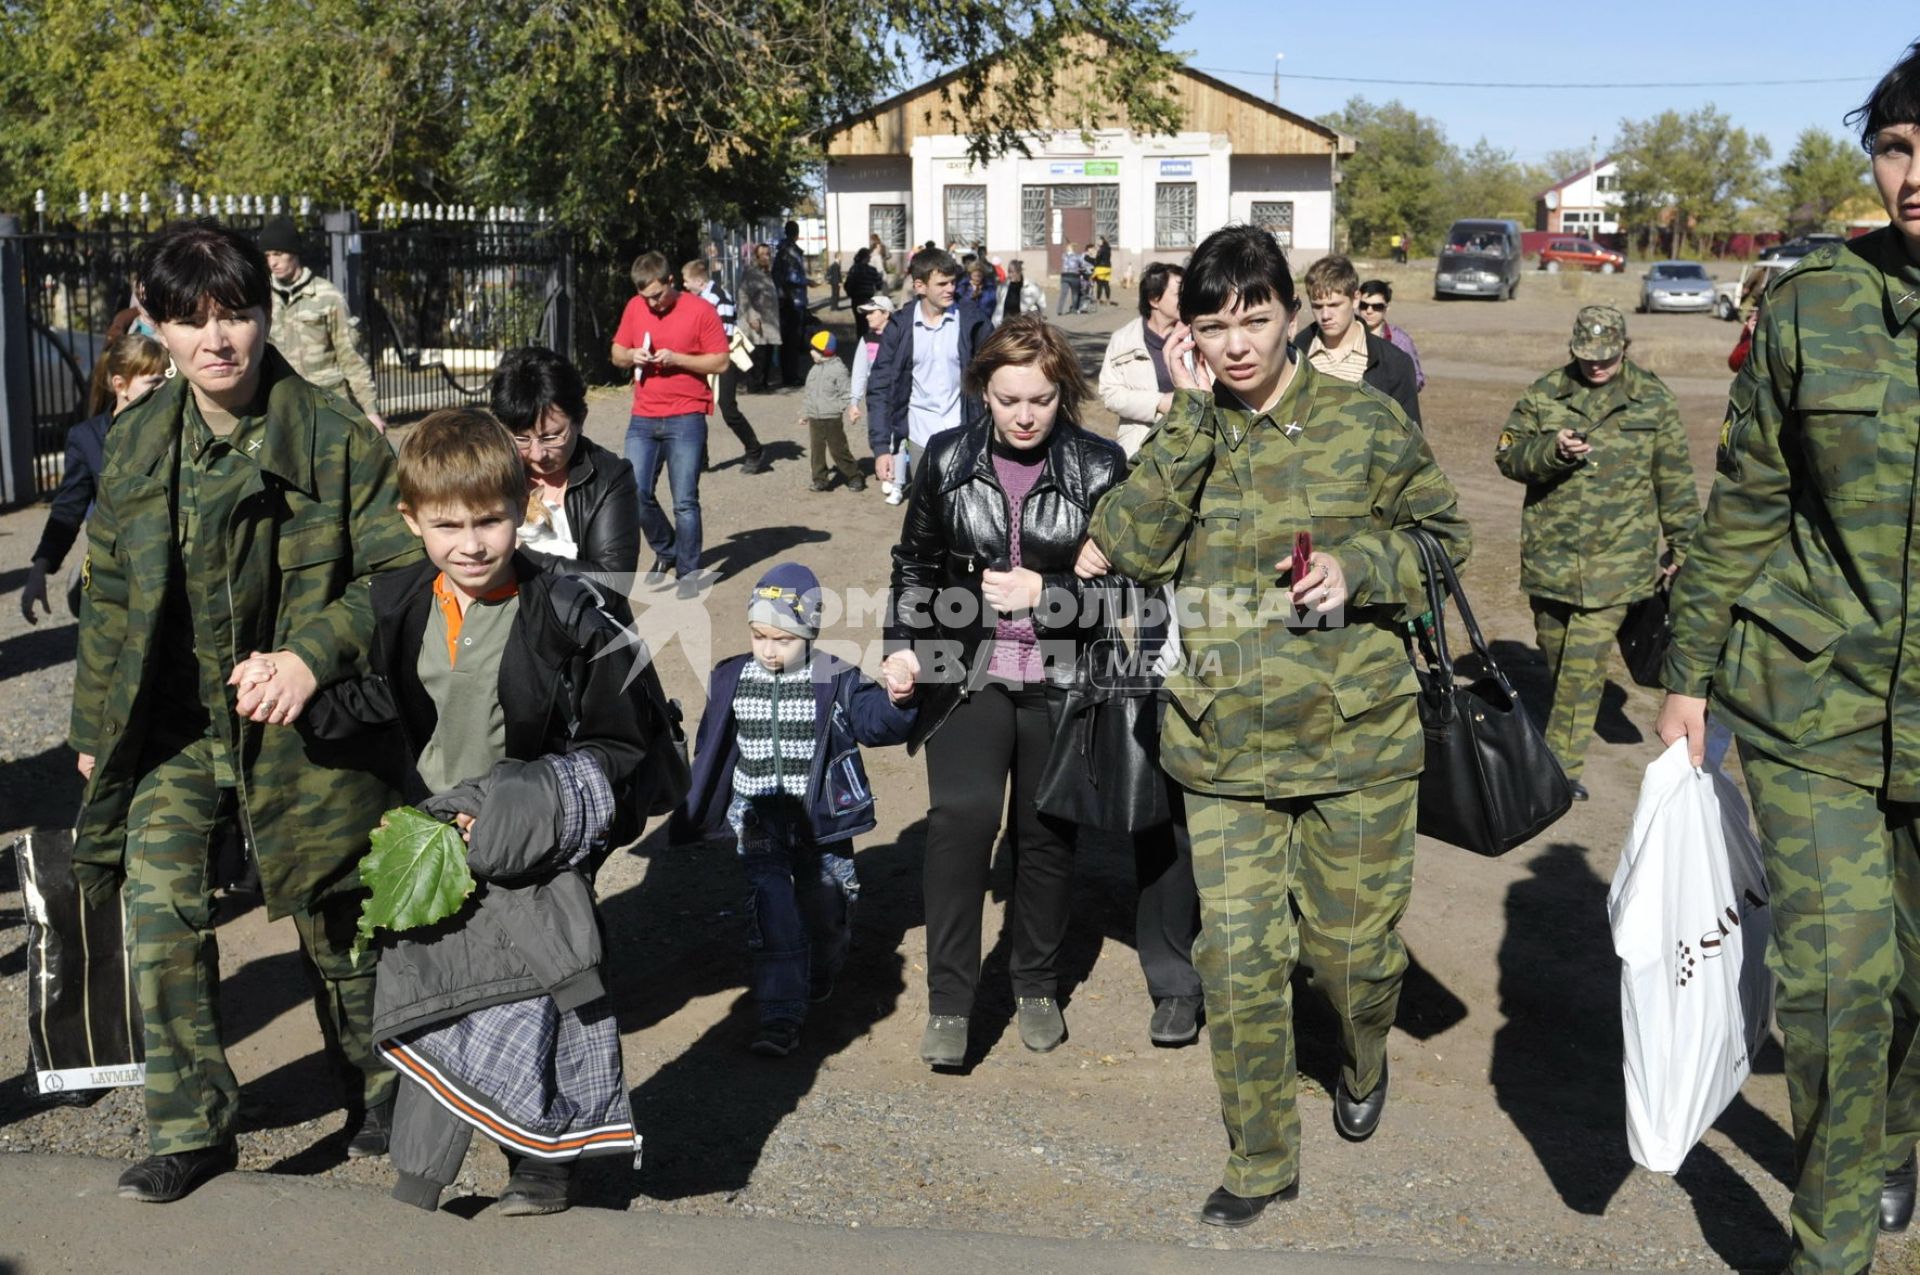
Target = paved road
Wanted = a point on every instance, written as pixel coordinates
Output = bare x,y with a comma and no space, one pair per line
61,1215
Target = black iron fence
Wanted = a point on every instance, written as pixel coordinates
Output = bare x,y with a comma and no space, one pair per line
438,294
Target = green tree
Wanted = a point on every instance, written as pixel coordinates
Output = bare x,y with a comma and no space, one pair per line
1394,181
1694,172
629,120
1485,181
1822,173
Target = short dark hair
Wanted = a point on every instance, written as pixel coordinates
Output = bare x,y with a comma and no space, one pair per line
1378,288
1894,100
1153,284
527,381
188,263
1235,264
648,267
929,262
793,229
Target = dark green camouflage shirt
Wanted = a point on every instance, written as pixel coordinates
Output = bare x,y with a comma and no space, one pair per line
1266,704
1591,527
1794,613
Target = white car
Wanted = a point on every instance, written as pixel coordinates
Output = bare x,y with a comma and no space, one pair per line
1731,300
1677,286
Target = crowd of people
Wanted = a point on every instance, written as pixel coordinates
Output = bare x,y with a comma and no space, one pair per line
286,627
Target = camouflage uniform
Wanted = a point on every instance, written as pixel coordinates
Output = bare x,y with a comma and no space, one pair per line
1793,616
1591,528
201,550
319,336
1299,747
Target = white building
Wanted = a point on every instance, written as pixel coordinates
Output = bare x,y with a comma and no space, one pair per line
1586,203
901,170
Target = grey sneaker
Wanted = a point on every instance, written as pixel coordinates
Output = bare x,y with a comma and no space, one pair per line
944,1043
1041,1026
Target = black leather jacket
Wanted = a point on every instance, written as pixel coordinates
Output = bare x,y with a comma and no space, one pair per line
956,527
603,511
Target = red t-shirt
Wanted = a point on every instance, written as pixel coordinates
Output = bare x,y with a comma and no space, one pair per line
691,327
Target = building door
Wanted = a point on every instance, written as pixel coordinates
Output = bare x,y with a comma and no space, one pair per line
1069,225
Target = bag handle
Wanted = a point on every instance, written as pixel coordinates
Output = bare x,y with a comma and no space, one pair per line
1442,579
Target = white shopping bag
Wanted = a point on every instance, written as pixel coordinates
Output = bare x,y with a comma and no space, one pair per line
1690,925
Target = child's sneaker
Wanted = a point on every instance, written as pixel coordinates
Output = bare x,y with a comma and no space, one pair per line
887,487
894,497
776,1039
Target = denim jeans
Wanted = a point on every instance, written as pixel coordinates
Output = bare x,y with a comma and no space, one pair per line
800,899
903,450
681,443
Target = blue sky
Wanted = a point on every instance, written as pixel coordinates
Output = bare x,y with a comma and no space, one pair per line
1624,41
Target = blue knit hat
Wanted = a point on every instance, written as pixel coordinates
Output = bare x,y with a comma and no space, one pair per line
787,598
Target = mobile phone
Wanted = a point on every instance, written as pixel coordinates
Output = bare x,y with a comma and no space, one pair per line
1579,435
1302,557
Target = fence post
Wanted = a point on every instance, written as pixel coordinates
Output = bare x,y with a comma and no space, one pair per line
16,394
343,240
560,292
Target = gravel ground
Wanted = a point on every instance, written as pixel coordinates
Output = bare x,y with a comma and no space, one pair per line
1504,1141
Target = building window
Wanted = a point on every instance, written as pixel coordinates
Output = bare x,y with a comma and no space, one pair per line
1072,196
966,215
1106,212
1175,212
889,221
1275,216
1607,182
1033,216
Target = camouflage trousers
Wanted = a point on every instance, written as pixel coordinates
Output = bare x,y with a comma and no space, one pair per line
1575,641
1843,875
1318,881
192,1097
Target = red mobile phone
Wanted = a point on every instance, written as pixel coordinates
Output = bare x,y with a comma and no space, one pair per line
1302,557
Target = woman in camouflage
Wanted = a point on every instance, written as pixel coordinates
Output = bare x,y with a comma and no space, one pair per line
1794,621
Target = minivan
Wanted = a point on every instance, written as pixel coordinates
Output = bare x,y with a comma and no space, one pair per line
1481,258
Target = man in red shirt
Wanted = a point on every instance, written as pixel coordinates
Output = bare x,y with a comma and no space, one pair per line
672,349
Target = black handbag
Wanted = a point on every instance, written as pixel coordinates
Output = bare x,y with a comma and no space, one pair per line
1644,635
1490,782
1103,770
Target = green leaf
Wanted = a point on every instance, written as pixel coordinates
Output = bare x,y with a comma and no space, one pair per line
416,872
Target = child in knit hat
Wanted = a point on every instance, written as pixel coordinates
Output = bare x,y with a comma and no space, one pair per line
823,407
777,766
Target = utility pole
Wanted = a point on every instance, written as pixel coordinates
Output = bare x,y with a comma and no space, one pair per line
1276,77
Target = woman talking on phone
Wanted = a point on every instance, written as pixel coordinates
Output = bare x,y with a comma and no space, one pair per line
986,617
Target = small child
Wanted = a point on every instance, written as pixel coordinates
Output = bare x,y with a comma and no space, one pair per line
823,406
879,312
777,765
506,683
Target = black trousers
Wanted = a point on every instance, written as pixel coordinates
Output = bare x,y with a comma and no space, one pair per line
1167,918
765,375
793,343
995,735
725,399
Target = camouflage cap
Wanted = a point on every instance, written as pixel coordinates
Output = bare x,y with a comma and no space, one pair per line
1599,333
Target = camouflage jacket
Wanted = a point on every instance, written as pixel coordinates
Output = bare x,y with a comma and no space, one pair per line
319,521
1794,613
313,328
1262,705
1590,531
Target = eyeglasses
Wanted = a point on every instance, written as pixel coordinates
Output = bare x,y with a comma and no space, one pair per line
1372,305
547,441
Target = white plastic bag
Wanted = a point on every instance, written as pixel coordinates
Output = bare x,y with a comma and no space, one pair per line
1690,925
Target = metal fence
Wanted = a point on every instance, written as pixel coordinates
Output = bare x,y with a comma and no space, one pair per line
438,293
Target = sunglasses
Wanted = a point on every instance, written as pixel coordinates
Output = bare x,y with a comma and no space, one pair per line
1372,305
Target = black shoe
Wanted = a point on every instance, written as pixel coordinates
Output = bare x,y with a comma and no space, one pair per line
819,484
1896,1198
371,1134
856,484
819,990
535,1188
755,463
1176,1021
688,587
656,574
162,1179
1224,1208
776,1039
1355,1119
1579,791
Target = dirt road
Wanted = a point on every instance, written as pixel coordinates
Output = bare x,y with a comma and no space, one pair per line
1504,1142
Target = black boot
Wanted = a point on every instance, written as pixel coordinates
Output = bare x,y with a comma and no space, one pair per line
1896,1198
535,1187
162,1179
370,1135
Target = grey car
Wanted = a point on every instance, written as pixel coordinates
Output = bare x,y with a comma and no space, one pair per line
1676,286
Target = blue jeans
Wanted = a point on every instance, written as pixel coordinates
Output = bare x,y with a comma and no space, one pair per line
800,899
681,442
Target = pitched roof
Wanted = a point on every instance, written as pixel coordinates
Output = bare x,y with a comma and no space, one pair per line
1567,181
